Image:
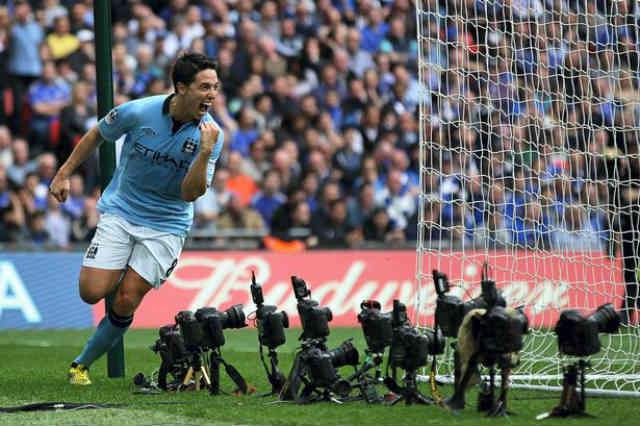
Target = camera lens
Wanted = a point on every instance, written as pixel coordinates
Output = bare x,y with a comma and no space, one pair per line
234,317
328,313
606,318
345,354
578,335
285,319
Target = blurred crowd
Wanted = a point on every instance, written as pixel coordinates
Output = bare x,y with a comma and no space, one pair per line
531,116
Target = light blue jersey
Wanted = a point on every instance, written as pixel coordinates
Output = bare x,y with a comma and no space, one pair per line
146,185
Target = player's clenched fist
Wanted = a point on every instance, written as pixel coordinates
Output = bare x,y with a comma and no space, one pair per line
209,132
59,188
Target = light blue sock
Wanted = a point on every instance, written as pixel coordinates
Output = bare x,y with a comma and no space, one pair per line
105,337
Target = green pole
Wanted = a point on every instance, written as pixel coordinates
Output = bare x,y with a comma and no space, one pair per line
104,77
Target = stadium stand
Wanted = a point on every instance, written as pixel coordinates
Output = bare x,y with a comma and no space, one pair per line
319,105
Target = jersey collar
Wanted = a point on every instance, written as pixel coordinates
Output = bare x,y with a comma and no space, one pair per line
165,109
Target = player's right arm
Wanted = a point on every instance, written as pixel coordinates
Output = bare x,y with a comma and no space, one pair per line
115,124
59,187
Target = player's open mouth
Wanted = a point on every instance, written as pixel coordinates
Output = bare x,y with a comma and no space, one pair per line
204,107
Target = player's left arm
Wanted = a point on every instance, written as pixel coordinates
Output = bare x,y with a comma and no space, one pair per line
200,173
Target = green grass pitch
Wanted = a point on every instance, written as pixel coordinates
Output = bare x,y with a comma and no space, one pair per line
34,365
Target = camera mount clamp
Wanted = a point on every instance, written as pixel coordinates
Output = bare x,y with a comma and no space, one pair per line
409,393
196,371
573,401
486,401
275,376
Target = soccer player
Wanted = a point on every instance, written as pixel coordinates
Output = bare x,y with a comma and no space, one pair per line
167,161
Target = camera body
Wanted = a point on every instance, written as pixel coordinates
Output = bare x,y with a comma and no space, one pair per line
174,354
410,347
579,335
271,324
501,331
170,345
190,329
451,310
203,330
377,327
323,365
314,319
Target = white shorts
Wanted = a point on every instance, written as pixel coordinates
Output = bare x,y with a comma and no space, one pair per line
118,243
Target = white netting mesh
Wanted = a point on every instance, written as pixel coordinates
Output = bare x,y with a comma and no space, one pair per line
530,125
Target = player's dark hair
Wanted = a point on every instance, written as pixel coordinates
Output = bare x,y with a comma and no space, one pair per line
188,65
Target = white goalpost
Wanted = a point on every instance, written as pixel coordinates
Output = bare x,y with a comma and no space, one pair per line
530,161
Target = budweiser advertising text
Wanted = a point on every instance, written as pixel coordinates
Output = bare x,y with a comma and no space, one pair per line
342,279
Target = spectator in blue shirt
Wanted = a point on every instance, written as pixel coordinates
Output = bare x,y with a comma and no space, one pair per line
360,208
398,44
24,65
329,82
246,133
145,71
359,59
346,161
175,7
34,194
21,163
374,32
530,227
269,198
576,232
47,97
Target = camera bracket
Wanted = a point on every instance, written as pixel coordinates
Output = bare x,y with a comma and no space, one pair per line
409,393
573,401
275,376
197,372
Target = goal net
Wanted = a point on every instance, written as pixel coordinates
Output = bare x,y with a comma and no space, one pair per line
530,126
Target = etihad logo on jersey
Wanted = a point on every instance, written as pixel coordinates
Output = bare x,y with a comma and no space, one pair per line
161,158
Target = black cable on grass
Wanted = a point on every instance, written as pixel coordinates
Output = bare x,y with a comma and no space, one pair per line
46,406
50,406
